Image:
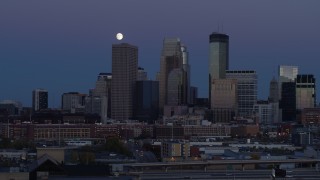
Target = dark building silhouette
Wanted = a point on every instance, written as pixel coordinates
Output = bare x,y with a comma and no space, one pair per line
274,90
146,102
288,101
39,99
124,76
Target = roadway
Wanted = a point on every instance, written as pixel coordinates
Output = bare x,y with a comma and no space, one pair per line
221,162
308,174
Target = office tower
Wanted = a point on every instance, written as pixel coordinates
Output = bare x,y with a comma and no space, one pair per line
103,85
39,99
287,74
224,93
247,90
176,94
218,57
99,99
142,75
73,102
171,58
186,68
274,90
124,76
305,91
224,100
94,105
146,101
288,102
274,100
103,90
263,109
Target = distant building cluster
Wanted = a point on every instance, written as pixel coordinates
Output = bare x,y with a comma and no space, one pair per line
170,102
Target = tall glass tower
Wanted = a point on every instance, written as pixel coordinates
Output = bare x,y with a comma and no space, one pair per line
218,57
171,58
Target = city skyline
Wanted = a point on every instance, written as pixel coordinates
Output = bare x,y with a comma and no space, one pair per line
62,46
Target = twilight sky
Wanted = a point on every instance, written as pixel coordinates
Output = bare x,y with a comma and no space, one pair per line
63,45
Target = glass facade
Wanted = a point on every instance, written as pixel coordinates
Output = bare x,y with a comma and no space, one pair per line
146,102
288,101
218,57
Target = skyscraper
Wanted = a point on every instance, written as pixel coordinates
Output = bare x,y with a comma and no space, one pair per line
218,57
39,99
186,68
305,91
99,100
176,90
288,102
287,74
274,90
274,99
124,76
224,100
171,58
224,94
146,107
247,82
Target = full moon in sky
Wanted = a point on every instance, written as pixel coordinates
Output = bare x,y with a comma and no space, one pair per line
119,36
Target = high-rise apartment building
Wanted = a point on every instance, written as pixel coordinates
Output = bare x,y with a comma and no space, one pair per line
305,91
218,57
124,76
246,90
39,99
171,58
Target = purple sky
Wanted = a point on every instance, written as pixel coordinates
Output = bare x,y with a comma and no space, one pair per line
63,45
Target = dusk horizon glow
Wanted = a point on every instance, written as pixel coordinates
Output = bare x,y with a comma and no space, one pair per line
62,46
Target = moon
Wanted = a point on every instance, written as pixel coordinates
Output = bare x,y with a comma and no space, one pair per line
119,36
